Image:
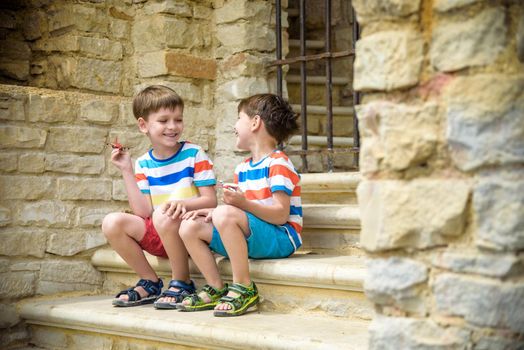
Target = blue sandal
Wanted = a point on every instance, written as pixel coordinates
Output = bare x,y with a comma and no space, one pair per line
153,289
184,290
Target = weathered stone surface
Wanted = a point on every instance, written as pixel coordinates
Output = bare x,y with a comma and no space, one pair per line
17,284
125,113
190,66
446,5
84,189
411,214
8,161
235,10
469,42
82,341
475,262
34,25
369,11
26,187
241,64
394,281
21,137
5,216
172,7
97,75
388,60
66,275
18,70
8,316
483,302
188,91
397,136
242,88
44,213
119,28
12,107
392,333
100,48
498,343
119,191
520,39
92,217
15,49
48,337
488,108
152,64
99,112
69,243
240,37
499,206
50,109
65,139
31,162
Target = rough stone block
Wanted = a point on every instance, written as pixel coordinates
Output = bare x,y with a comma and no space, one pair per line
395,281
50,109
159,32
411,214
119,191
498,343
84,189
17,70
172,7
69,243
120,29
21,137
241,64
188,91
65,139
479,263
475,41
34,25
125,113
15,49
498,203
44,213
152,64
26,187
483,302
379,10
488,108
8,162
22,243
92,217
12,106
388,60
241,88
31,162
99,112
397,136
190,66
240,37
5,216
66,275
17,284
446,5
236,10
392,333
8,316
98,75
100,48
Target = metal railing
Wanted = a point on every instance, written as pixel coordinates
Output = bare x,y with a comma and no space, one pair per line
328,56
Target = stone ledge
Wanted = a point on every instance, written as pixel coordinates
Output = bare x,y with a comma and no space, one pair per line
331,216
317,271
200,329
330,182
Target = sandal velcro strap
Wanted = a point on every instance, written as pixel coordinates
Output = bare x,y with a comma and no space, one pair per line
194,302
184,290
153,289
239,304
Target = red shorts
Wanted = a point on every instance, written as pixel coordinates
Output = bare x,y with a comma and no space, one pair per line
151,242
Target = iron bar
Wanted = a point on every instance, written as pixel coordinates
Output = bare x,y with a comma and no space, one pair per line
356,94
329,87
316,57
303,86
278,23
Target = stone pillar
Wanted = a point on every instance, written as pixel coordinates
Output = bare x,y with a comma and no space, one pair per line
442,200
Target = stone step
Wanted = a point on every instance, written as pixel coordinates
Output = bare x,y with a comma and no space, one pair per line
333,188
90,322
327,285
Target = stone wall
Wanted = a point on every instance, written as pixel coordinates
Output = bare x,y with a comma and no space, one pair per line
443,163
68,71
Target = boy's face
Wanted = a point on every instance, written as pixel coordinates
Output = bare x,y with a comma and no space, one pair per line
163,128
243,130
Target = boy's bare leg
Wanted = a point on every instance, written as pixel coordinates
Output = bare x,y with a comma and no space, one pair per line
123,232
232,224
167,229
197,235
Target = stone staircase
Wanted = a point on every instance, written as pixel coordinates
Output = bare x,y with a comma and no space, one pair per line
312,300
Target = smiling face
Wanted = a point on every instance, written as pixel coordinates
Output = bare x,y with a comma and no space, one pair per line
243,131
163,128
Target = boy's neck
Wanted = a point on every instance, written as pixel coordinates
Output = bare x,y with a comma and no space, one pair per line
161,153
261,150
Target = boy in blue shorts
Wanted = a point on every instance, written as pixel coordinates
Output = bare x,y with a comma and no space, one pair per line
262,215
170,179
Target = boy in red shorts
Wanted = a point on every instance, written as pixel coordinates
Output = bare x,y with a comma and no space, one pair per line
171,178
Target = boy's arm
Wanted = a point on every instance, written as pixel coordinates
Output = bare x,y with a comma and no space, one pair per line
277,213
140,203
207,199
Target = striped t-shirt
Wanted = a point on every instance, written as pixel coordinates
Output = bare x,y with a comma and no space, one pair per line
271,174
176,177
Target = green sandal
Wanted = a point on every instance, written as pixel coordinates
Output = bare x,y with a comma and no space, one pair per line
196,303
247,297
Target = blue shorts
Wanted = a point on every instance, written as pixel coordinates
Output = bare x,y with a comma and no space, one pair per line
265,241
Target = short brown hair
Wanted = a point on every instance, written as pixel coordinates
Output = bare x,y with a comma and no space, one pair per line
154,98
278,116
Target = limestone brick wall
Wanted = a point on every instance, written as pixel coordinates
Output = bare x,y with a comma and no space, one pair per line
68,71
442,199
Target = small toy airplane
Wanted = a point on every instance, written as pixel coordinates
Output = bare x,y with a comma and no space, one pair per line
230,186
117,145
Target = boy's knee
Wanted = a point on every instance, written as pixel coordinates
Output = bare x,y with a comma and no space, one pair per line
188,228
162,222
225,214
111,224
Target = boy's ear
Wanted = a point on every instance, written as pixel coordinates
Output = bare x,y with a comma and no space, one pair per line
142,125
256,123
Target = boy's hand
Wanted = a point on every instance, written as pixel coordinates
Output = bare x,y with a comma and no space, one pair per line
235,198
174,209
121,159
192,215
